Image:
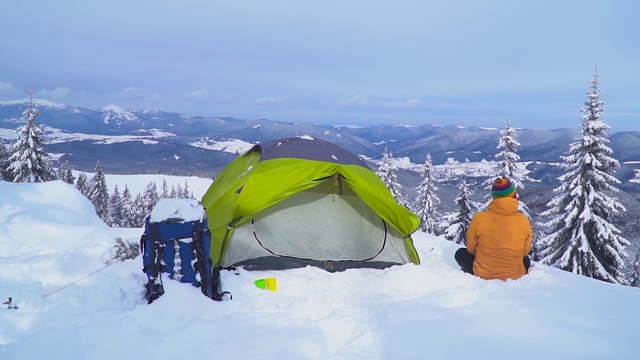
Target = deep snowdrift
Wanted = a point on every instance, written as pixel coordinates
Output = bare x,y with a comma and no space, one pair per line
50,237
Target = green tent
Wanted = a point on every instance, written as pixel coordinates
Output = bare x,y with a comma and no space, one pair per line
299,201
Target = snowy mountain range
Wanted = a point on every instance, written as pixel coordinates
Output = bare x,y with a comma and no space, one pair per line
150,140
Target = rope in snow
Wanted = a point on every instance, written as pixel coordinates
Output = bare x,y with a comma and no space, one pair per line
82,278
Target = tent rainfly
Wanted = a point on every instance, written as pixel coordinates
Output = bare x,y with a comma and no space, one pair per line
303,201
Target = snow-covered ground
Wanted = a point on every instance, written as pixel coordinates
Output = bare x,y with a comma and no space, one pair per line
71,305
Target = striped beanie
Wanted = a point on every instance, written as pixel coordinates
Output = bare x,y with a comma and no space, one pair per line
502,187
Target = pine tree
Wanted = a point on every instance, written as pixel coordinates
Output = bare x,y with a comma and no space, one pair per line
65,174
5,174
388,177
116,209
633,273
508,157
28,162
582,239
457,223
60,172
427,201
98,193
68,175
150,197
165,189
140,210
506,165
129,213
82,184
186,193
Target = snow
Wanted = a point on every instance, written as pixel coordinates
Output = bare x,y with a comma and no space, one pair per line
183,209
232,146
56,136
37,103
71,305
116,112
306,137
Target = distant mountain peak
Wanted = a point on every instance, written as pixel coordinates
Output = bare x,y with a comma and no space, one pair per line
115,112
36,102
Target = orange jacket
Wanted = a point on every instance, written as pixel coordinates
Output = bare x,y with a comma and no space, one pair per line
499,238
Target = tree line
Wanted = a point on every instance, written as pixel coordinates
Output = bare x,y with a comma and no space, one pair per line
121,209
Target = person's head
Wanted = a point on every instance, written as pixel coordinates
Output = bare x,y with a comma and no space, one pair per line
502,187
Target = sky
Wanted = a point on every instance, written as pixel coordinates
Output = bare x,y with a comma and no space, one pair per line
466,62
71,306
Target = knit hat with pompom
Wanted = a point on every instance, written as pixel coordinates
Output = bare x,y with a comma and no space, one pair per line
502,187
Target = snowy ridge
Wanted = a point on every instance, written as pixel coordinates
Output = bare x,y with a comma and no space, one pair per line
56,136
36,102
233,146
114,112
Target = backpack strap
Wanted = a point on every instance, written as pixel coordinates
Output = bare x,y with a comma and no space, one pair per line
209,275
218,294
153,268
203,262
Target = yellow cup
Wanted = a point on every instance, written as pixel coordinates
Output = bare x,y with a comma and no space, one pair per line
268,283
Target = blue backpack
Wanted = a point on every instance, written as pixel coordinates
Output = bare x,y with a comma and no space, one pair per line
179,247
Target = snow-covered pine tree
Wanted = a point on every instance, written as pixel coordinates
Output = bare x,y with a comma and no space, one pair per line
150,197
457,223
165,189
140,209
116,209
388,177
60,171
5,174
65,173
506,164
582,239
28,162
129,213
68,174
82,184
508,157
98,193
633,272
186,193
427,201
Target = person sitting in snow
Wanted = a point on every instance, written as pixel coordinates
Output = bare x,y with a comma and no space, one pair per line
498,239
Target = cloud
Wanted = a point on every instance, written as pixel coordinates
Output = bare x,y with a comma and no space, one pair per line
7,88
410,103
57,93
265,100
131,92
201,96
134,93
358,100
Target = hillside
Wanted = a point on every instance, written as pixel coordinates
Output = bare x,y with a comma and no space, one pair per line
431,310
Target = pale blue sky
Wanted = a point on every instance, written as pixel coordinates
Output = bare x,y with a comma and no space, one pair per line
471,62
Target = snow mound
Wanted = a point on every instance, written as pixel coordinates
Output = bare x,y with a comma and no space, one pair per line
183,210
71,306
